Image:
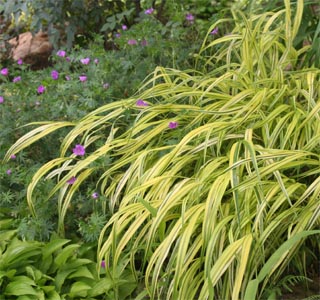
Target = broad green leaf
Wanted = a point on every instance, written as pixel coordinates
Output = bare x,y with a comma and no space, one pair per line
21,285
82,271
53,295
7,235
61,277
53,246
79,289
65,254
9,274
101,287
18,252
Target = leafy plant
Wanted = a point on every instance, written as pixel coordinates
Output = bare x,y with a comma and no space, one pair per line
287,283
309,30
63,20
109,76
212,174
55,270
66,24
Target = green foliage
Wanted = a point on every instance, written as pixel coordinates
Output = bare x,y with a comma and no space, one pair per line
114,75
212,180
207,178
91,228
63,20
66,23
55,270
309,30
315,297
288,282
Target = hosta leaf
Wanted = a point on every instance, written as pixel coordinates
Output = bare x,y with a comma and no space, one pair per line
9,274
21,285
18,252
53,295
82,272
53,246
79,289
101,287
31,297
7,235
76,263
61,277
65,254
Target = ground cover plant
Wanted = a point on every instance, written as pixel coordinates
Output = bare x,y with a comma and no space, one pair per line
210,176
78,81
56,270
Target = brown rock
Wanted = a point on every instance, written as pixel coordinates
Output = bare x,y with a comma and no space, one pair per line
32,49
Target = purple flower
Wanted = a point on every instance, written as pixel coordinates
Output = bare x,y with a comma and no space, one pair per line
68,77
68,59
85,61
106,85
117,35
9,172
19,61
144,43
149,11
132,42
4,72
96,61
79,150
55,75
12,156
83,78
41,89
16,79
1,99
140,102
103,264
173,125
190,18
72,180
214,31
61,53
124,27
95,195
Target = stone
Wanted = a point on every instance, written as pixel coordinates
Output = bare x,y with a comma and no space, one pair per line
32,49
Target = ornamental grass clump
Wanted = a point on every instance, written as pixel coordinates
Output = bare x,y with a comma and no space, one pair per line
213,185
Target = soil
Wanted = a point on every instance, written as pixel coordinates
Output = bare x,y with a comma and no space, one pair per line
302,292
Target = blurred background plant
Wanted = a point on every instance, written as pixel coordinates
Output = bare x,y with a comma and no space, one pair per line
65,22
